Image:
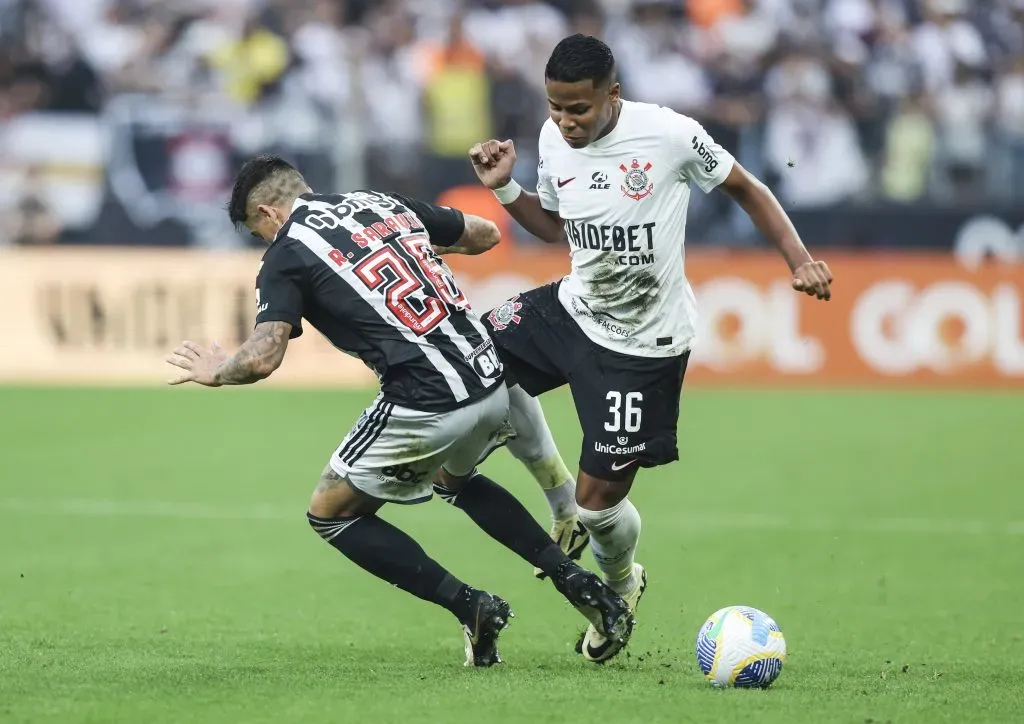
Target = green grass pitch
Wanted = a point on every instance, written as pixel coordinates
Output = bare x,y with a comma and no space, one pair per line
156,566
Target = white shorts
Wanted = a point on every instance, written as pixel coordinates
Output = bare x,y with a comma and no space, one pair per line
392,452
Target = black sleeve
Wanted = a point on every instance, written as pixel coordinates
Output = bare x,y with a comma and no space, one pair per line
279,286
444,224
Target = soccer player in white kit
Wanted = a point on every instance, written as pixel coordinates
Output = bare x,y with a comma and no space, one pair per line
614,182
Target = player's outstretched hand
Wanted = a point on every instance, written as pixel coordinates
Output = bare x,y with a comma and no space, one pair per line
493,162
200,364
813,278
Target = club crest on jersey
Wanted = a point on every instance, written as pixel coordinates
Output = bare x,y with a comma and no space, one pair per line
637,184
505,314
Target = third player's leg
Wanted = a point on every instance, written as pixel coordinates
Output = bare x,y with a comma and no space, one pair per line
536,340
496,511
534,446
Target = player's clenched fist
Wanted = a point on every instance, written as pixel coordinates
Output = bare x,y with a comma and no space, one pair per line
813,278
493,162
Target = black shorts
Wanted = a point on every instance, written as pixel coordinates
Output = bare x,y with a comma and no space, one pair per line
628,406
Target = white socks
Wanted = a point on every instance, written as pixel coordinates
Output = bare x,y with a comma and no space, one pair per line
535,448
562,500
613,538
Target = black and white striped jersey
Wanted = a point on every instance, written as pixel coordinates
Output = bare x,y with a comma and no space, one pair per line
360,269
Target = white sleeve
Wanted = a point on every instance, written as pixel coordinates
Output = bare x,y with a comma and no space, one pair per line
695,155
545,189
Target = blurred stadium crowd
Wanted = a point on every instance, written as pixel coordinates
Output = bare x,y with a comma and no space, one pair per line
129,116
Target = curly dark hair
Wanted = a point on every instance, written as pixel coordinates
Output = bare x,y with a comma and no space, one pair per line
581,57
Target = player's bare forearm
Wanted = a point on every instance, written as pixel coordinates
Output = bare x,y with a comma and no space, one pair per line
493,162
258,356
767,214
544,224
480,235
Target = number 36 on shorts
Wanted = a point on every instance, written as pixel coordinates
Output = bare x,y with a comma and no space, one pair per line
625,411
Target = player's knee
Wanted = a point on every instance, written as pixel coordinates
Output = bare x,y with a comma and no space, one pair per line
449,480
597,494
329,528
322,508
447,485
335,497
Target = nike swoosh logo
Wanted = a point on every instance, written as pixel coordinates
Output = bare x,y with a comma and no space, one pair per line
578,534
562,183
616,467
597,652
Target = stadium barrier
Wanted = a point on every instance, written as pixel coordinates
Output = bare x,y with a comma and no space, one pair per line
110,315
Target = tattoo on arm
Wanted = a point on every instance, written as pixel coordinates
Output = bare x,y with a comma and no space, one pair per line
479,236
260,355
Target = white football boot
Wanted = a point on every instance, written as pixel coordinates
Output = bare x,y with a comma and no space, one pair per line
593,644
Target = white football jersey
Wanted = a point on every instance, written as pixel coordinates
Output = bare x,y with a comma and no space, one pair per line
623,199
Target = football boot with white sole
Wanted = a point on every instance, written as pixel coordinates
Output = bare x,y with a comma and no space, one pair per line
607,611
489,617
594,645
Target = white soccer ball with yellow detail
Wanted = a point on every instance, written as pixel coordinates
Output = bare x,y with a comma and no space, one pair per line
740,646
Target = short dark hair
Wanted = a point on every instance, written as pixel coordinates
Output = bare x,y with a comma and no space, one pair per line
581,57
254,172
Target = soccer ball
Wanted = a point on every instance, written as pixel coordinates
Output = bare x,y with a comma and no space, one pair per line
740,646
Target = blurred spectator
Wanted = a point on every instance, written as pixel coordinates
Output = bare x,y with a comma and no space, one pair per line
892,70
1009,129
708,13
457,94
392,78
946,40
747,35
924,96
656,65
909,148
588,17
251,63
811,142
113,39
962,110
31,221
324,49
1006,27
516,34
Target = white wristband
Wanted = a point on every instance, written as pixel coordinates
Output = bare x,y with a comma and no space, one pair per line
508,193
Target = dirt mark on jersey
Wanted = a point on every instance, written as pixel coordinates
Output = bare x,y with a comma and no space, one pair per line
630,292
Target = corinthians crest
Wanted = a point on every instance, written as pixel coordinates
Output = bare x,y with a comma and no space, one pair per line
505,314
637,184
